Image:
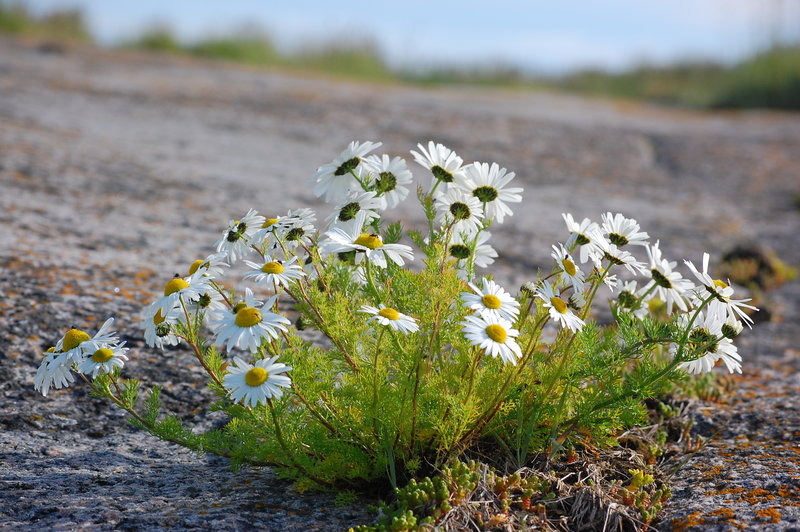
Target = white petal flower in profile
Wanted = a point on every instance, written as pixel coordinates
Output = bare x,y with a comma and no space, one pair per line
236,238
581,234
104,360
494,336
569,271
462,210
391,318
475,249
369,245
610,280
54,372
272,272
445,165
366,202
335,179
668,284
603,250
491,300
559,309
486,182
159,327
633,301
248,324
721,304
389,178
622,231
254,384
211,266
717,346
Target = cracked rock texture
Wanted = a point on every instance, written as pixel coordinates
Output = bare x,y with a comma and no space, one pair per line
119,169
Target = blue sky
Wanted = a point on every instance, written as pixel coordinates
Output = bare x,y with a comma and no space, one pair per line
539,35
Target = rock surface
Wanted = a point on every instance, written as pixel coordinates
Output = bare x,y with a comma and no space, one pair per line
117,170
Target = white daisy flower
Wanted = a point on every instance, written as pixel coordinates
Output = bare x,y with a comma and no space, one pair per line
472,248
253,384
297,227
718,347
487,183
581,234
211,266
569,271
104,360
159,326
494,336
273,272
731,328
265,238
559,309
669,285
335,180
248,323
462,210
338,240
236,238
603,250
721,305
184,289
389,177
622,231
389,317
445,165
366,202
492,300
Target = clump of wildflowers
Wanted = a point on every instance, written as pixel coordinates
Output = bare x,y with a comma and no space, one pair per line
425,354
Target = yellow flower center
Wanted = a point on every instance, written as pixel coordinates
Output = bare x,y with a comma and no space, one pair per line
491,301
369,241
720,284
497,333
569,267
389,314
158,319
558,304
49,350
175,285
73,339
256,376
247,317
272,267
269,222
102,355
196,266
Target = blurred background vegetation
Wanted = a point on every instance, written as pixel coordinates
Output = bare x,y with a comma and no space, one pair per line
768,79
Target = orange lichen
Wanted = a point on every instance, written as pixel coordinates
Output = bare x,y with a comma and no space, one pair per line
771,514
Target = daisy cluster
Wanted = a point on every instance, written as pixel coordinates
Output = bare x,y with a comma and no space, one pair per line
707,306
286,256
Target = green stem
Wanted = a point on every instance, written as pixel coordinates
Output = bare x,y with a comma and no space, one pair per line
282,443
375,385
